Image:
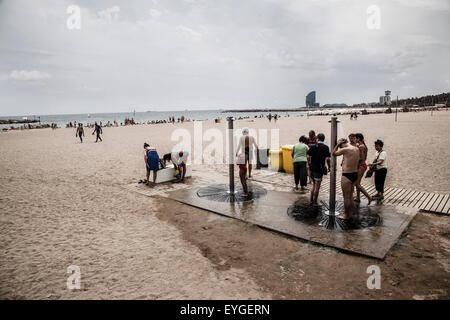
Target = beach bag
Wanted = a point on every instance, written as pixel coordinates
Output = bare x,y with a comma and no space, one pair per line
369,173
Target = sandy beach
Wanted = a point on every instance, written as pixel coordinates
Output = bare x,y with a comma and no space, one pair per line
64,203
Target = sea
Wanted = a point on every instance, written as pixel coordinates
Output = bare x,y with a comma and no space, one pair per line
142,117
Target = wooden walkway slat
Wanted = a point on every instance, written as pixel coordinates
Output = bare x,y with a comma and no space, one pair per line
400,198
424,200
447,207
441,206
428,205
392,193
436,203
420,197
410,199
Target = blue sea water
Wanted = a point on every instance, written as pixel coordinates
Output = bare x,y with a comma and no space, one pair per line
140,117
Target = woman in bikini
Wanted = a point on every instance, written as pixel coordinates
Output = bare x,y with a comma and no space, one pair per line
359,140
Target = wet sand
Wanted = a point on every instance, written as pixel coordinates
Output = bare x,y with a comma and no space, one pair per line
63,203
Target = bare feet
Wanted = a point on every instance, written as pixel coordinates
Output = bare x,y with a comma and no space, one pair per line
343,216
357,200
244,195
370,200
316,204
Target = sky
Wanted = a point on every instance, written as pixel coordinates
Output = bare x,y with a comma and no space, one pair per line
158,55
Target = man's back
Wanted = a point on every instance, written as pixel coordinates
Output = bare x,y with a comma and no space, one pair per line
318,153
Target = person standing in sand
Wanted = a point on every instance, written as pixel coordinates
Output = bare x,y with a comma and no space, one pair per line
350,166
151,159
80,132
318,154
248,144
98,130
359,139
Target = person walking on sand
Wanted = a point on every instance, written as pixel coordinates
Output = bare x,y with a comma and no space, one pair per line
247,144
350,166
80,132
379,165
299,156
359,139
98,130
243,173
151,159
318,154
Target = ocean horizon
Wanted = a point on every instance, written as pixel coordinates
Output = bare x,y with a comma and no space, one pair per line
140,117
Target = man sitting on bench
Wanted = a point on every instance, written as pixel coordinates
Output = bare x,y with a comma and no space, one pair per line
179,160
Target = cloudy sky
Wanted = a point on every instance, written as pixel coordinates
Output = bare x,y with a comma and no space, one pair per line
207,54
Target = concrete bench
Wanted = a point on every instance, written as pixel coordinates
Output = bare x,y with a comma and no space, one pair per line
166,175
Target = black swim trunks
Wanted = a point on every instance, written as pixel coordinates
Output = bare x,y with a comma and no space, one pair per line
353,176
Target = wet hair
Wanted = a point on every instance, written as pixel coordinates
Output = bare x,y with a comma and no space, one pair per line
312,134
360,137
379,143
303,139
146,145
321,137
352,135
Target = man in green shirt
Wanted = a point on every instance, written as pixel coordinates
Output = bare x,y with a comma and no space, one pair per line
299,152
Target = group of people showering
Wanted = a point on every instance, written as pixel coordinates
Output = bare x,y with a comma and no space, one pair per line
312,158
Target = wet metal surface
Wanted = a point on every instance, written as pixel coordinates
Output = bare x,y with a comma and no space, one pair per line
221,193
271,212
363,216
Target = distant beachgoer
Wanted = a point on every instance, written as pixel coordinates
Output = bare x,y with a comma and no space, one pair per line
349,174
151,158
359,139
97,130
318,154
179,160
299,156
241,160
80,132
248,144
379,165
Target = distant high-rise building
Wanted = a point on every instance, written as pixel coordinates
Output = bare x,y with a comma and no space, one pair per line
386,99
311,100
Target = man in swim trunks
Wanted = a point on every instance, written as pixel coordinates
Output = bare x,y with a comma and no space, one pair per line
243,173
248,144
350,165
80,132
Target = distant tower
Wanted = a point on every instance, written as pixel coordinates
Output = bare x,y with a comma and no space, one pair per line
386,99
311,100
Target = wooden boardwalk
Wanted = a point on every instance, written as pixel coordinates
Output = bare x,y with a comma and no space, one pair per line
426,201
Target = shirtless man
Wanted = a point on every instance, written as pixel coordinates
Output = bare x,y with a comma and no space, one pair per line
247,143
350,166
80,132
359,139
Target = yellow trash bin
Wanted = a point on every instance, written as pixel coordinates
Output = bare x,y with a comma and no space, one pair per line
276,160
288,162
